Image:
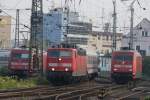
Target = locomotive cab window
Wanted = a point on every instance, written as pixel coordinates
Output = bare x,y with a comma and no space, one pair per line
59,53
20,56
123,58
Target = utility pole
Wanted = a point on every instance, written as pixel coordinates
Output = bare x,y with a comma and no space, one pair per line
131,26
36,36
17,29
114,26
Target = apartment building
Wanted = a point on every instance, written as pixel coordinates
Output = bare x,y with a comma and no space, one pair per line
102,41
5,32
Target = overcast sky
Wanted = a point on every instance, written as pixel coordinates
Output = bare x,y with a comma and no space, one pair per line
88,9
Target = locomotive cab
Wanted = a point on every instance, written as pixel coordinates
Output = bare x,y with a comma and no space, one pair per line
19,62
59,63
126,66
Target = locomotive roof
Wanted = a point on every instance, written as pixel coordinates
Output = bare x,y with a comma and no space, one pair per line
19,49
61,48
125,51
128,51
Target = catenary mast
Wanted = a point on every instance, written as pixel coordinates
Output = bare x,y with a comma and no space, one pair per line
36,37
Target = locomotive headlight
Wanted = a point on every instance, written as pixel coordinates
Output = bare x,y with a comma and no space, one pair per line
53,69
115,69
59,59
66,69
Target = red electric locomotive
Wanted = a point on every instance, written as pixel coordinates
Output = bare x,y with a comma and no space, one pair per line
69,64
126,66
19,61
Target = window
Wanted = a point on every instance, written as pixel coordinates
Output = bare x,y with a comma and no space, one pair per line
107,37
123,58
19,56
49,15
58,53
144,33
65,18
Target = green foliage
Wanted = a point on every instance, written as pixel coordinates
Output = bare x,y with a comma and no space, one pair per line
146,66
41,80
147,98
15,82
11,83
4,71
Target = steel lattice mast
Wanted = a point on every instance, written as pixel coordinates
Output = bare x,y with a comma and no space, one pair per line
36,37
17,29
114,44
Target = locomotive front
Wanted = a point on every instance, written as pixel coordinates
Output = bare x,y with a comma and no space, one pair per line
59,64
19,61
122,66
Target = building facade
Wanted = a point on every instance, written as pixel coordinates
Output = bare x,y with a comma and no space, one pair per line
78,32
5,32
141,38
55,24
102,42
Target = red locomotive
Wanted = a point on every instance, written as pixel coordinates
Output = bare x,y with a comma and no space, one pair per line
19,61
126,66
69,64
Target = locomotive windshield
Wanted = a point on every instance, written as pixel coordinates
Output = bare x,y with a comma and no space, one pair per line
57,53
123,58
20,56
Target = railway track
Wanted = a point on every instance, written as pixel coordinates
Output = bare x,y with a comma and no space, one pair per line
41,92
80,91
83,93
126,94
